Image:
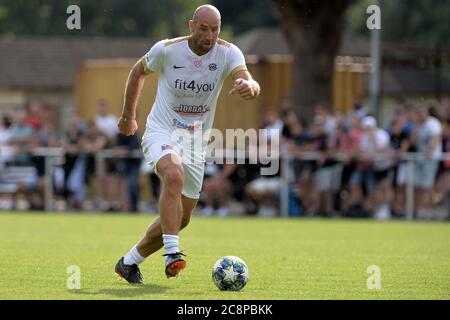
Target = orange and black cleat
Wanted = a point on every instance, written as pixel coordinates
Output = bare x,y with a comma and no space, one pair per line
174,264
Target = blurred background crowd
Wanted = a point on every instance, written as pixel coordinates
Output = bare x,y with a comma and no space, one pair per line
355,91
340,165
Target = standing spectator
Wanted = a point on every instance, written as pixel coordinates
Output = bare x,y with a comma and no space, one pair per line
72,147
327,178
329,120
6,151
44,137
348,139
5,130
21,138
105,121
294,140
129,167
429,145
400,132
446,142
373,172
107,182
359,111
273,124
84,167
34,114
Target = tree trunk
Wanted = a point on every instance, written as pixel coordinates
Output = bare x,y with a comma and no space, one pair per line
313,31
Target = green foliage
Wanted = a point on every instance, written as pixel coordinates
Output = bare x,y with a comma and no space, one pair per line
420,21
242,16
114,18
117,18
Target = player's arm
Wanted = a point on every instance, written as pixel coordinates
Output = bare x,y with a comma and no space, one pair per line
435,141
245,85
127,122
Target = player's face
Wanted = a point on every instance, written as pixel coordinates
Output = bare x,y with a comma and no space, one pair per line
205,34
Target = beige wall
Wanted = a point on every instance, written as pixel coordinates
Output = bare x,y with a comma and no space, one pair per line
105,79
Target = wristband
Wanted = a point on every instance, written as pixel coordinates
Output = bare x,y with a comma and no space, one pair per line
126,119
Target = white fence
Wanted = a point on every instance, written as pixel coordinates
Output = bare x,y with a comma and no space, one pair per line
55,157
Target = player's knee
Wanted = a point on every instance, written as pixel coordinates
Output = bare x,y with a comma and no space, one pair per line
173,178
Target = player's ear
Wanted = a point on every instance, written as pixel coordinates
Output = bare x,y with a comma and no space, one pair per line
191,26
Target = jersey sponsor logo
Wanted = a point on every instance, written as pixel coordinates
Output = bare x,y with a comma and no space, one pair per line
212,67
188,110
198,63
190,127
177,67
194,86
189,95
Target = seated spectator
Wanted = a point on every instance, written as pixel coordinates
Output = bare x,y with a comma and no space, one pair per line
264,190
216,188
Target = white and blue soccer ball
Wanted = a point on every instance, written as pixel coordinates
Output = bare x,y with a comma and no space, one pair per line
230,273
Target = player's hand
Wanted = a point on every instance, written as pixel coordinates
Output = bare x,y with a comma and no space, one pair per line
127,126
247,89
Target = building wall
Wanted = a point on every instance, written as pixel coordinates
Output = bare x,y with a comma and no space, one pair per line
105,79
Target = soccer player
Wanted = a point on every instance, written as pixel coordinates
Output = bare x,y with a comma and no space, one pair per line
191,70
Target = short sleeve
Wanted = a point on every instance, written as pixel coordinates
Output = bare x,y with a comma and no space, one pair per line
435,127
153,60
384,139
236,61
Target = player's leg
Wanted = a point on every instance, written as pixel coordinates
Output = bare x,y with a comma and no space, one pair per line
127,267
152,240
158,155
171,173
192,182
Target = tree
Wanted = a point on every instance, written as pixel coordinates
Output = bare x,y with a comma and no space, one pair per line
423,22
106,18
251,14
313,31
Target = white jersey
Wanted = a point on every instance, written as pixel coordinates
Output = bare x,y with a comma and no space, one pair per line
188,85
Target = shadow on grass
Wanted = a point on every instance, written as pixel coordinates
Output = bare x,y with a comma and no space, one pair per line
124,291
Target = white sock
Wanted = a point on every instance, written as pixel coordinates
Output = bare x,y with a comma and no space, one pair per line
133,257
170,243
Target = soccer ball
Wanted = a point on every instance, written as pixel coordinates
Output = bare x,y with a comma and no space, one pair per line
230,273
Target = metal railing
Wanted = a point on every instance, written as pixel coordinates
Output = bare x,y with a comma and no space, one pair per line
55,157
410,157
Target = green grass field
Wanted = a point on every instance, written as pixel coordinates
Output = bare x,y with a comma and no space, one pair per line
287,258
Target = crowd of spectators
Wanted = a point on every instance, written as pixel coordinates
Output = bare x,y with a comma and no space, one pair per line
111,185
347,164
342,164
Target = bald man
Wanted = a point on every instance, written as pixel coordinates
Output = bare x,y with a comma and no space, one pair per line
191,71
